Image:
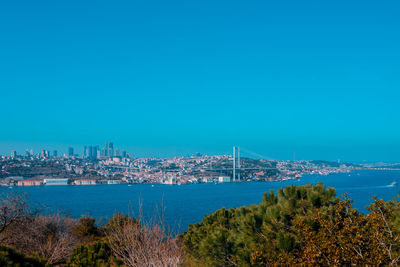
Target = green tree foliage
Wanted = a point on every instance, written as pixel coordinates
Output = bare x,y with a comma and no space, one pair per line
341,236
93,254
11,258
86,230
256,235
301,226
338,237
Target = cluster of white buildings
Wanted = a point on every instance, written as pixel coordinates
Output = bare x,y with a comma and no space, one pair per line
64,181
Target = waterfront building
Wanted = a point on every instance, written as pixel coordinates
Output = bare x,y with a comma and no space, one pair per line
224,179
85,182
13,179
113,181
56,181
30,183
171,180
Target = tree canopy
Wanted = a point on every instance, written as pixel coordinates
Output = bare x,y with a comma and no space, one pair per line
304,225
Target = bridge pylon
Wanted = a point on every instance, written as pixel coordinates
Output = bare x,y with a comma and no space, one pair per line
236,164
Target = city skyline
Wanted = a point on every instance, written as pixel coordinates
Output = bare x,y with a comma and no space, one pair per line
109,166
174,78
109,149
89,152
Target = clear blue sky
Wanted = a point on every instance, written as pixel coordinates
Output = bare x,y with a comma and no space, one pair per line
318,78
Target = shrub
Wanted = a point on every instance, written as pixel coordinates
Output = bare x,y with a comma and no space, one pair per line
93,254
11,258
49,237
86,230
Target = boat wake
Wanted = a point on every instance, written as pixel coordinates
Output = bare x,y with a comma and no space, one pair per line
368,187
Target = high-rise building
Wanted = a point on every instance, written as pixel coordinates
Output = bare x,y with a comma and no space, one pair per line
109,149
54,153
27,154
90,152
45,154
70,152
94,152
13,154
105,150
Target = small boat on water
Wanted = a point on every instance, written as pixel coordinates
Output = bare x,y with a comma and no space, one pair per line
394,183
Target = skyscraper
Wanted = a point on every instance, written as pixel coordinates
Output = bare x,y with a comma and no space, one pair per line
54,153
13,154
109,149
94,152
45,154
90,152
70,152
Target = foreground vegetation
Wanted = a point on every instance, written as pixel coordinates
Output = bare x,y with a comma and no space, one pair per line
298,225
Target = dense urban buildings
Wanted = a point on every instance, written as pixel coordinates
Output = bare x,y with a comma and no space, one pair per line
109,166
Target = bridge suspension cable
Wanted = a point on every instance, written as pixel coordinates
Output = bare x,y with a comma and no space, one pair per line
256,154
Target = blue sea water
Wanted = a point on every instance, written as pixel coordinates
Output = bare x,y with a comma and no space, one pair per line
187,204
